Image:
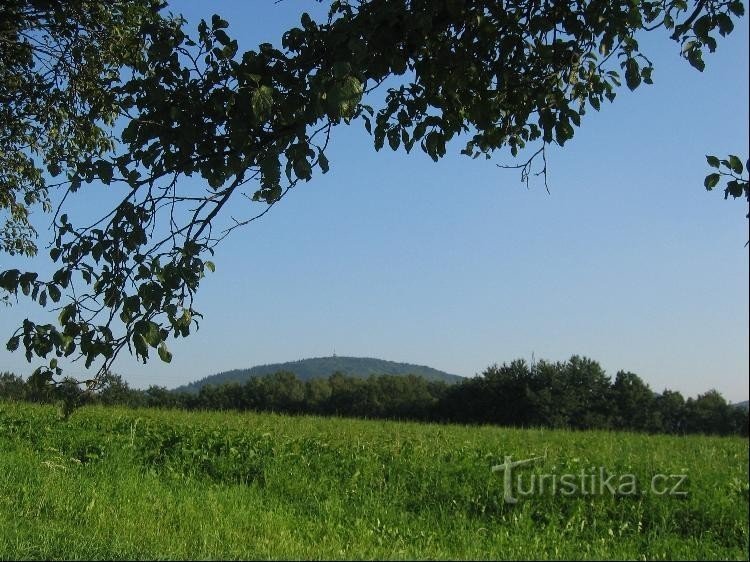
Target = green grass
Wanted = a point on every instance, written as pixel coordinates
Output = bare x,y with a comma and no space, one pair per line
116,483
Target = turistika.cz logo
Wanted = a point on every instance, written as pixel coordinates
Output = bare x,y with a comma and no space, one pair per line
596,482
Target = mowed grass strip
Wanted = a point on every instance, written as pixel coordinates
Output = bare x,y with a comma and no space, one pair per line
117,483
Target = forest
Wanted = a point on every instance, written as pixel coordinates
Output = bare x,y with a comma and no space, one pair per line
575,394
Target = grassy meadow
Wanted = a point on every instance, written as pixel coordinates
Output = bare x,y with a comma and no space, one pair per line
118,483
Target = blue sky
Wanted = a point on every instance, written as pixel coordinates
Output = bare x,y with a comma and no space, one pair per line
456,265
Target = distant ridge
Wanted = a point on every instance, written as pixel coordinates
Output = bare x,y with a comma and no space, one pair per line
745,404
323,367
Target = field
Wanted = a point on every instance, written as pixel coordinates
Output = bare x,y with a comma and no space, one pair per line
117,483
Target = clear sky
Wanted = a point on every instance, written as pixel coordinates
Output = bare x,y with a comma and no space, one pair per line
456,265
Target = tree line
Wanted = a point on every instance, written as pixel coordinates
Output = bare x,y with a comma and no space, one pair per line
575,394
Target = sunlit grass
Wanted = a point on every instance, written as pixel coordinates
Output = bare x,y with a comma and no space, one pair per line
116,483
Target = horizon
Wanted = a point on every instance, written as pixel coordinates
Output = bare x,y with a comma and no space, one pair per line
476,374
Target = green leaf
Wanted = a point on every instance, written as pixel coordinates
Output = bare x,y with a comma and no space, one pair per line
302,168
563,132
13,342
632,74
713,161
646,74
735,189
164,353
218,23
379,137
737,8
735,164
711,181
344,96
151,334
323,162
66,314
341,69
141,347
270,171
262,102
434,145
702,26
104,171
393,139
695,57
306,21
222,37
9,280
210,265
130,133
54,293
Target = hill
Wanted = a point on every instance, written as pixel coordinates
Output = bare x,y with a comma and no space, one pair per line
322,367
745,404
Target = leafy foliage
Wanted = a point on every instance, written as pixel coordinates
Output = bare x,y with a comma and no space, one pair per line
60,62
732,171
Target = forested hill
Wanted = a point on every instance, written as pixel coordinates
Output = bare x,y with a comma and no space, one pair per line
322,367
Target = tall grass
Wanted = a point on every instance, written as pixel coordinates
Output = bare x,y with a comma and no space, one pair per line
116,483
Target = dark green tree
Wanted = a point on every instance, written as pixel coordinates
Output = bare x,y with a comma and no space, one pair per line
634,403
672,413
709,413
116,391
160,396
39,388
506,393
585,388
68,395
550,401
285,392
12,387
317,394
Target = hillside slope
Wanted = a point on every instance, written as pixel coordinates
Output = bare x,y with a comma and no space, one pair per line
322,367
